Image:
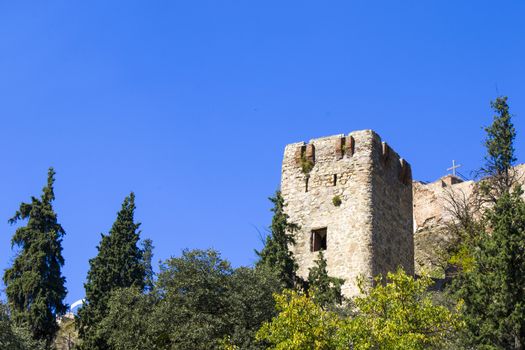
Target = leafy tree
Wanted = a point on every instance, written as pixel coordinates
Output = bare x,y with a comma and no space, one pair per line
276,254
131,322
35,285
14,337
251,304
398,314
326,290
195,308
119,264
493,290
300,324
197,301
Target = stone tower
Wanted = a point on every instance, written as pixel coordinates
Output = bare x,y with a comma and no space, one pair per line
352,197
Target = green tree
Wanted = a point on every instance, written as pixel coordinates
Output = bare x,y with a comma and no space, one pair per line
35,285
398,314
147,257
119,264
493,290
492,286
498,170
276,253
195,308
326,290
198,301
251,304
301,324
132,322
498,178
14,337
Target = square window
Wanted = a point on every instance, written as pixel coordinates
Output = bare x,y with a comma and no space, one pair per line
318,240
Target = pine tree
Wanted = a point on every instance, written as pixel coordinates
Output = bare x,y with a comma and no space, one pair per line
326,290
119,264
276,254
35,285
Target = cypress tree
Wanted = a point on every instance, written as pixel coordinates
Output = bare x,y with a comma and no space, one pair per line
276,254
119,264
498,171
147,257
326,290
493,289
35,285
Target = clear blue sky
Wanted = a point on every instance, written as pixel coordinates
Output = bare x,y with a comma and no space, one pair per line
190,104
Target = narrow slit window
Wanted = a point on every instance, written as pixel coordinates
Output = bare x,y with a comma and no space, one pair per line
318,240
306,184
335,180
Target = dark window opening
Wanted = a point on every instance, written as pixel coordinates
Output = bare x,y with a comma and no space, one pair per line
318,240
306,184
335,180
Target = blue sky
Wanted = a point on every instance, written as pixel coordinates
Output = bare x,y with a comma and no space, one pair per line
190,104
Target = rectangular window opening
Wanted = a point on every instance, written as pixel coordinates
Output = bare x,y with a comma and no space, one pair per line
318,240
335,180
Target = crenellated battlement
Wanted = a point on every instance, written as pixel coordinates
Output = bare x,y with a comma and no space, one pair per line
341,148
368,230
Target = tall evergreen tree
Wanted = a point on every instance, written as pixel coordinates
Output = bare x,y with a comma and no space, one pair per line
493,288
325,289
276,254
493,291
35,285
147,257
500,158
119,264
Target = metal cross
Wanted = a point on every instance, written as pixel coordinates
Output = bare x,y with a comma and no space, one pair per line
454,167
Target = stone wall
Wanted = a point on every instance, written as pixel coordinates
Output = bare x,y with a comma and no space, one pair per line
371,230
431,216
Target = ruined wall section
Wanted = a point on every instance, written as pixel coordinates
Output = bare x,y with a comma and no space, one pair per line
393,243
431,217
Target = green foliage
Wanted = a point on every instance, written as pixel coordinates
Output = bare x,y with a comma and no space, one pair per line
119,264
198,302
500,156
301,324
337,201
493,289
306,165
131,322
35,285
14,337
147,257
326,290
252,304
276,254
398,314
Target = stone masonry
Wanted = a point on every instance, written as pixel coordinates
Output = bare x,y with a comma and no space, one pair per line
371,230
432,215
